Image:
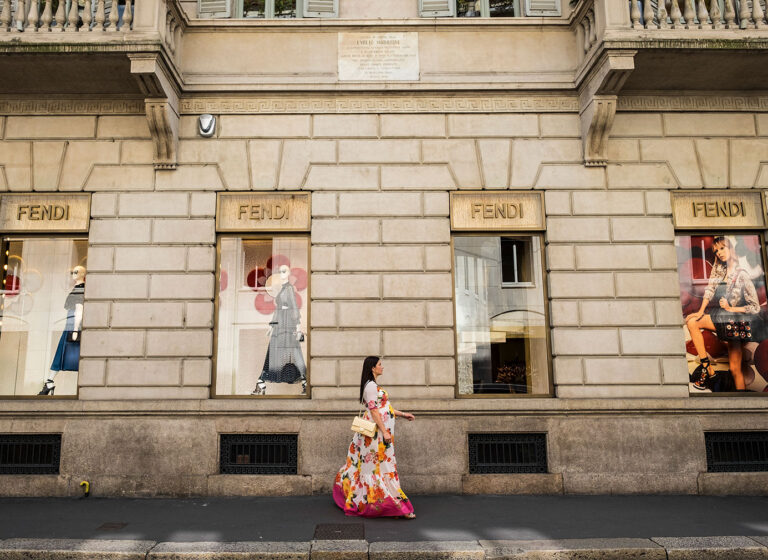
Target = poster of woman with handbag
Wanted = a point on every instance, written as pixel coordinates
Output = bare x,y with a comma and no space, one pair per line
368,484
730,308
284,362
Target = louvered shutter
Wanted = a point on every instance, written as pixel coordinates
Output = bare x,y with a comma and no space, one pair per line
437,8
214,8
321,8
542,7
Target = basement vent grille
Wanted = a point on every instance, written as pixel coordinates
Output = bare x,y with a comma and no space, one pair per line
507,453
258,454
30,453
736,451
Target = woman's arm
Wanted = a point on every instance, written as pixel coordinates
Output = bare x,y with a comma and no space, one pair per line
748,293
406,415
380,423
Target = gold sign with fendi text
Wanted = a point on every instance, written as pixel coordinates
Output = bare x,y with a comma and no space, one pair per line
45,213
497,211
718,210
239,212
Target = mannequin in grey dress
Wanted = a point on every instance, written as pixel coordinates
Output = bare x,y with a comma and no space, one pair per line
284,362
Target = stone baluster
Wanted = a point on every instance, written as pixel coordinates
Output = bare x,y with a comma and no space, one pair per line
702,14
689,14
592,28
585,27
100,15
676,15
47,18
661,15
634,14
34,15
18,20
5,16
648,14
127,16
758,15
73,16
743,14
715,14
61,15
87,15
729,14
114,16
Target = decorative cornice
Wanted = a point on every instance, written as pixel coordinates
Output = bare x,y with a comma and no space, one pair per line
71,107
382,104
712,102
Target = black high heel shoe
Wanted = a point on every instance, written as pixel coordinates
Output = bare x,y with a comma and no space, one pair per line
701,375
48,388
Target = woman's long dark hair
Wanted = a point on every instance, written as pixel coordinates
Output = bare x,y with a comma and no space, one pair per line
368,364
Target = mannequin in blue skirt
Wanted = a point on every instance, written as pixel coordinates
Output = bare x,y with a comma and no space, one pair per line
67,357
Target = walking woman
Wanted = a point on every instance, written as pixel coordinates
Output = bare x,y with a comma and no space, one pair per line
368,484
736,320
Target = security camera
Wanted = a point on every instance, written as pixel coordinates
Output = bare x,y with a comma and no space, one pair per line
206,125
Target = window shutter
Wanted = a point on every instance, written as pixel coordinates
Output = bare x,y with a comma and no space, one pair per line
542,7
437,8
321,8
214,8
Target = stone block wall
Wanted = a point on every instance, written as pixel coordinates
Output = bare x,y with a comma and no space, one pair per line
381,256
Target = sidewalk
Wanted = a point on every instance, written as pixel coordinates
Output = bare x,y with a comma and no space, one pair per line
456,527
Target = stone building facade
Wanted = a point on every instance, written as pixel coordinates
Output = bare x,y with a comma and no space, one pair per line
608,111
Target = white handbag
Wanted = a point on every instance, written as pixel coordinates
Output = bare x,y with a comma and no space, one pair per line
363,426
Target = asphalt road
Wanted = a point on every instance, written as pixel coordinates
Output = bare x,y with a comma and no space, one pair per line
438,518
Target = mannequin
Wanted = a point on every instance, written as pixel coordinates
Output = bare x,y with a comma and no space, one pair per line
284,362
67,357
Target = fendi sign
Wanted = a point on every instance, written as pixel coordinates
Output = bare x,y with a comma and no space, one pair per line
263,212
720,209
497,211
45,212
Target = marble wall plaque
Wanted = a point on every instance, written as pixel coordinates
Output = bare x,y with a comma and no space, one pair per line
378,57
44,213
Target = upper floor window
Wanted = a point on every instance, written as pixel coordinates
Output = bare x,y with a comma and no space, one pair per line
489,8
268,9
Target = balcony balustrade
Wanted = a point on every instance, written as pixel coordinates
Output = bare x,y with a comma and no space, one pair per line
95,17
697,14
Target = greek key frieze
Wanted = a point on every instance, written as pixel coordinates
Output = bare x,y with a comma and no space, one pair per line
389,104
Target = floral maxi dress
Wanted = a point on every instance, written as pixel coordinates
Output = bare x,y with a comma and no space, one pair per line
368,484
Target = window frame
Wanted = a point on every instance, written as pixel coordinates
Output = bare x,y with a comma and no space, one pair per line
217,277
762,234
269,10
483,6
16,235
547,324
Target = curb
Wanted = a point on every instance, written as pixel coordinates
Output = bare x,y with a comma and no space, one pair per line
655,548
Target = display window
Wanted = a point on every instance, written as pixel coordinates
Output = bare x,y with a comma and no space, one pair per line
724,307
502,333
41,314
262,340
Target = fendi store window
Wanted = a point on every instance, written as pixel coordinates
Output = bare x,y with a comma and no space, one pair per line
502,334
262,300
44,266
721,267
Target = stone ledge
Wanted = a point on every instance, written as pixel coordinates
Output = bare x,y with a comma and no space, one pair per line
73,549
661,548
230,551
574,549
712,548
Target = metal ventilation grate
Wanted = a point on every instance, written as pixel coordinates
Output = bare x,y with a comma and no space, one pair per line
736,451
507,453
258,454
30,453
